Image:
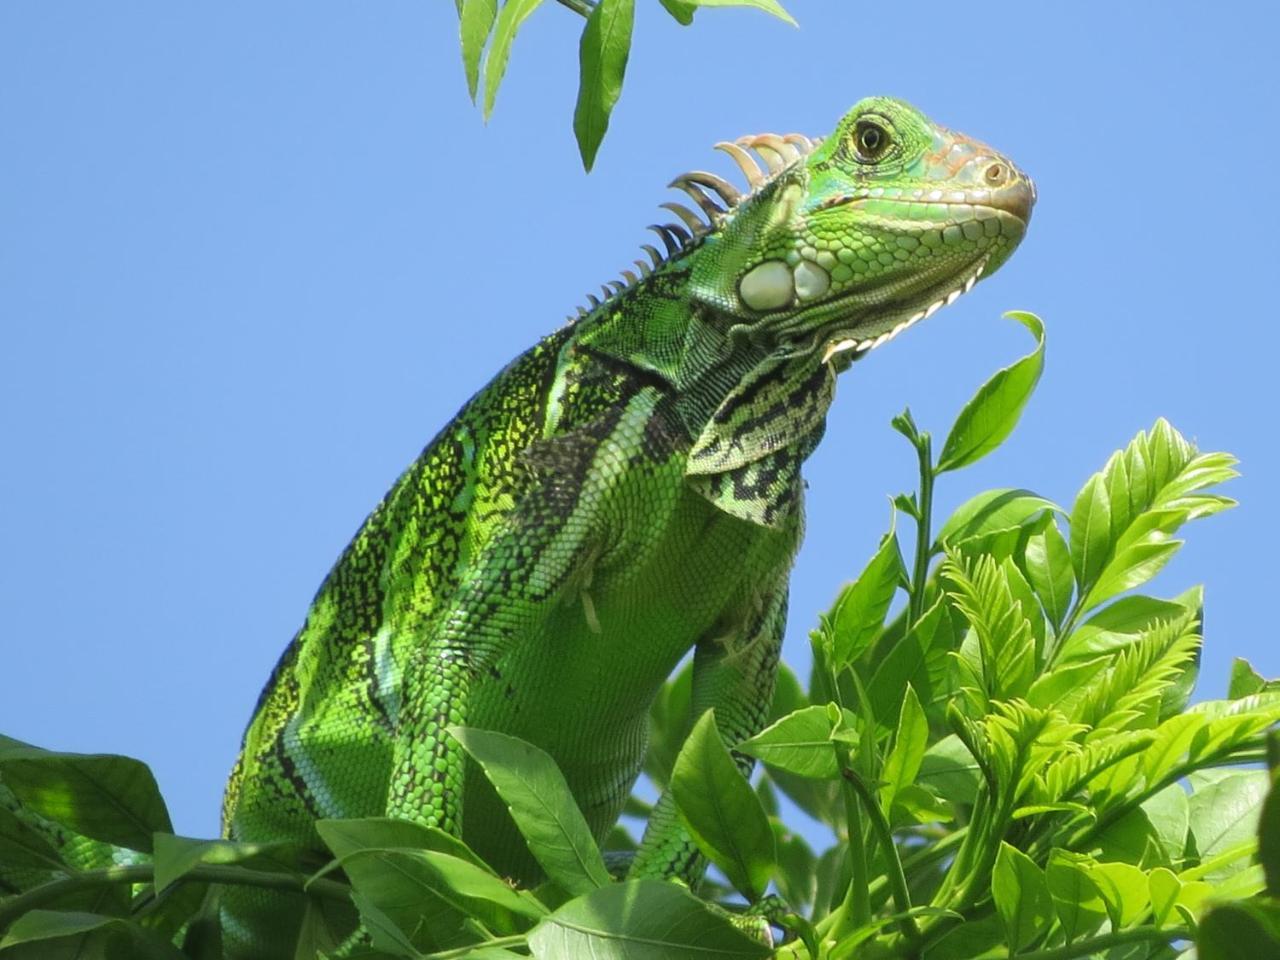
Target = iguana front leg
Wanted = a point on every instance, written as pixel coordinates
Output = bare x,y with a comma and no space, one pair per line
736,680
505,596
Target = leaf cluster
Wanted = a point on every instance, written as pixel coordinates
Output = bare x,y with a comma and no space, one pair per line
487,29
996,732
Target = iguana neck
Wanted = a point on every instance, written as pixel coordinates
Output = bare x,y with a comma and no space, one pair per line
701,354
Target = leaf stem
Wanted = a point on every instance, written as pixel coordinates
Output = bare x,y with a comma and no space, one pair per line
583,7
36,897
855,910
924,451
1095,945
884,835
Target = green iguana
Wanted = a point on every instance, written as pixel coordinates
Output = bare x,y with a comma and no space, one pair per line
625,491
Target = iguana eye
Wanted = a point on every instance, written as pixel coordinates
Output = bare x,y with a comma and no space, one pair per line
870,141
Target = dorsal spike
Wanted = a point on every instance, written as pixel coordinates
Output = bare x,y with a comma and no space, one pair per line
653,253
614,287
779,145
708,206
746,163
691,220
582,312
630,278
643,267
593,300
670,239
774,160
723,188
800,141
683,236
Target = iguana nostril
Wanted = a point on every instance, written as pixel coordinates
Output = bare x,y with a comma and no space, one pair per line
996,174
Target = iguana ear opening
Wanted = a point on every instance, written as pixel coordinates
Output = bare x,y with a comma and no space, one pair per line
747,458
760,233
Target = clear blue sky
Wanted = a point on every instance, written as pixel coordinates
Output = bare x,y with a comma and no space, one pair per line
252,256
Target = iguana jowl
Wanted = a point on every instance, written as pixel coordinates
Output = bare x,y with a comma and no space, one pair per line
625,491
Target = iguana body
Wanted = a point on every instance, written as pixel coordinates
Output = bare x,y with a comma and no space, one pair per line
627,490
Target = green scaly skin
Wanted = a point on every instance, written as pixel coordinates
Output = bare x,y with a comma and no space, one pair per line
625,491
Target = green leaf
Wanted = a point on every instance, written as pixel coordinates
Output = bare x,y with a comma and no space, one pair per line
105,797
1090,531
1122,622
991,415
1021,894
512,15
721,811
859,612
799,743
907,753
23,846
345,837
1163,887
1047,561
640,920
1245,681
1224,815
602,58
475,24
1248,930
982,592
1124,888
535,791
1076,898
1128,511
671,719
920,659
949,770
768,6
175,856
127,939
681,10
1269,837
992,511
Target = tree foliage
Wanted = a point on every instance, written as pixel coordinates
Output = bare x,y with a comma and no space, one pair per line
999,740
487,30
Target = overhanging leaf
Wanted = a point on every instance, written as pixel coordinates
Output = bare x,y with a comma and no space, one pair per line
105,797
640,920
512,15
474,25
602,57
531,785
722,813
799,743
768,6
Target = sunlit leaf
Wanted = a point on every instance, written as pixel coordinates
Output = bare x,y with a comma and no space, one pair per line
602,57
1021,894
109,798
640,920
512,15
721,812
1047,561
535,791
991,415
474,26
799,743
768,6
859,612
909,743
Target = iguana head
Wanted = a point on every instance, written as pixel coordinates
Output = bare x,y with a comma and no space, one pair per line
846,241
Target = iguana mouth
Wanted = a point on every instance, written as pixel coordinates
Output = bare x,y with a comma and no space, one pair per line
842,340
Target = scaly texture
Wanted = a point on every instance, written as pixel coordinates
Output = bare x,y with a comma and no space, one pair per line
625,491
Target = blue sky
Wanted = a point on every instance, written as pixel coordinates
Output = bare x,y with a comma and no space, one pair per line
252,256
